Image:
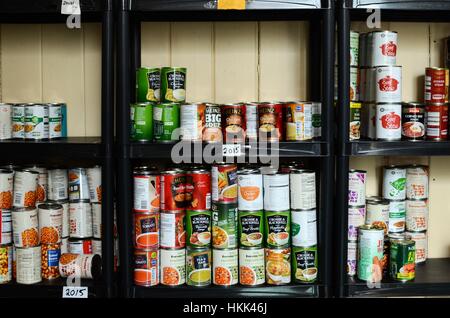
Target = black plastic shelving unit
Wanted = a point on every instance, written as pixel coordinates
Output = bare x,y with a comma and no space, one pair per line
432,278
321,16
72,150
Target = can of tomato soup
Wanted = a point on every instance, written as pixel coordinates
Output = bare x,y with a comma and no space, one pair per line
146,267
80,218
276,192
377,213
198,189
370,253
298,120
352,252
81,246
96,220
224,225
250,190
80,266
147,190
173,267
192,121
277,226
28,263
251,266
417,187
416,215
278,266
173,230
173,190
146,230
58,184
413,121
94,176
251,228
25,186
5,121
6,188
198,267
436,117
251,116
233,123
270,122
198,228
18,121
224,183
356,218
213,124
6,257
394,183
397,216
421,245
5,227
303,189
50,223
436,90
225,267
304,227
50,254
357,187
389,121
25,227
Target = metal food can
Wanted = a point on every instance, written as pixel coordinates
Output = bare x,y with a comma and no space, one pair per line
198,228
436,118
436,89
173,229
317,119
224,183
354,83
224,225
354,48
363,61
25,186
413,121
192,121
58,181
64,119
377,213
397,216
146,267
65,216
276,192
148,84
303,189
173,84
305,265
356,218
355,121
383,47
25,227
278,266
416,215
251,228
252,271
97,227
64,245
166,122
304,227
141,115
173,267
389,121
298,121
94,176
371,121
250,190
97,247
6,236
417,182
287,167
50,254
42,187
173,190
270,126
198,267
18,122
6,257
50,223
225,267
78,184
36,122
81,246
388,81
54,121
402,256
146,230
370,253
251,116
371,84
80,266
5,121
147,190
394,183
363,82
198,189
357,187
234,123
80,215
6,188
28,264
352,257
213,124
421,245
277,225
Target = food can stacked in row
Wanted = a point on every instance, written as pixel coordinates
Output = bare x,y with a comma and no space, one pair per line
33,121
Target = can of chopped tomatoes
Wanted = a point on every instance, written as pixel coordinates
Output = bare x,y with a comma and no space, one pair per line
271,126
233,123
173,190
436,117
198,189
146,230
436,85
173,267
6,188
252,266
25,227
173,229
147,190
146,267
225,267
25,186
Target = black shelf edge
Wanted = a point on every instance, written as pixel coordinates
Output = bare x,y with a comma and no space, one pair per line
397,148
432,279
402,4
288,291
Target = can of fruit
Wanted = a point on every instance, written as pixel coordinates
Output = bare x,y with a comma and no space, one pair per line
50,254
356,218
192,121
435,85
305,266
251,116
421,245
377,213
173,229
94,176
251,267
173,190
354,48
78,184
25,186
417,182
198,228
173,267
166,122
278,266
416,215
304,227
397,216
80,218
355,121
303,189
370,253
6,188
436,117
36,122
97,227
276,192
394,183
28,264
357,187
80,266
81,246
58,182
277,225
25,227
147,190
413,121
389,121
383,47
198,267
298,121
388,80
198,189
354,83
5,121
5,227
352,256
233,123
224,181
50,223
225,267
173,84
402,259
224,225
213,124
6,257
148,84
54,121
251,228
18,122
146,230
270,127
141,121
146,267
250,190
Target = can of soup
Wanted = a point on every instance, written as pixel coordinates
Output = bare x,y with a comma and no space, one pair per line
402,256
213,124
141,121
305,265
28,263
94,176
303,189
173,190
198,189
25,227
250,190
147,190
224,182
278,266
298,121
80,215
251,267
173,84
416,215
383,47
397,216
417,187
81,246
388,81
276,192
436,118
198,267
225,267
146,230
356,218
50,223
148,84
198,228
173,267
146,267
173,230
413,121
251,116
36,122
436,89
6,188
251,228
224,225
277,226
192,121
166,122
357,187
304,227
352,257
270,122
58,184
370,253
233,123
389,121
25,186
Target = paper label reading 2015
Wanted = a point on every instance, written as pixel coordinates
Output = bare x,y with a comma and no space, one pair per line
75,292
231,150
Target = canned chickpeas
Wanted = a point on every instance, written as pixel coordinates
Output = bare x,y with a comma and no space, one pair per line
252,266
225,267
173,267
198,267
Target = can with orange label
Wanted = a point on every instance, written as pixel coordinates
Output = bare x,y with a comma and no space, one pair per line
146,230
250,190
198,189
146,190
146,267
270,122
173,190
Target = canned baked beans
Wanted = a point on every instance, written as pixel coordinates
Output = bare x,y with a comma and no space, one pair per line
416,215
146,230
173,267
80,214
356,218
96,220
147,190
173,190
25,185
357,187
198,267
304,227
65,216
421,245
6,188
192,121
388,81
18,121
50,254
436,117
251,116
58,182
233,123
271,126
252,266
6,257
25,227
303,189
213,124
436,86
198,189
298,120
50,223
172,229
417,182
78,184
80,266
224,182
250,190
5,227
278,266
42,187
225,267
413,121
28,263
276,192
94,176
146,267
80,246
389,121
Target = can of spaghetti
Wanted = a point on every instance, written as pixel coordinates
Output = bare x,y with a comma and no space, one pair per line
270,126
192,121
58,182
436,89
356,218
5,121
94,176
303,189
5,227
173,267
173,229
276,192
278,266
233,123
50,223
80,246
146,267
417,187
80,266
6,188
298,120
173,190
198,189
97,220
28,264
141,121
357,187
436,117
25,186
80,216
148,84
304,227
225,267
166,122
388,81
224,181
416,215
213,124
147,190
389,121
146,230
250,190
377,213
421,245
413,121
6,257
25,227
18,121
50,254
251,267
383,48
251,116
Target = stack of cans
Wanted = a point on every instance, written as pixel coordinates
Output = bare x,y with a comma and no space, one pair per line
436,103
6,203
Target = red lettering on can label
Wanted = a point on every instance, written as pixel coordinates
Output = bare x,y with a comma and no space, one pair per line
233,123
437,121
436,85
389,49
173,192
388,84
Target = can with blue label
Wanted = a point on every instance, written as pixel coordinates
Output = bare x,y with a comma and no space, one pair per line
50,254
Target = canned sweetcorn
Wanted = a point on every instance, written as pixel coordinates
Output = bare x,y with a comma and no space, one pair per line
28,264
146,230
436,117
94,176
233,123
305,266
276,192
96,220
198,189
356,218
213,124
303,189
58,184
250,190
18,122
36,122
6,257
417,187
172,230
352,252
298,121
394,183
377,213
78,184
5,121
198,267
304,228
25,186
421,245
80,215
146,267
50,223
388,121
50,254
6,188
25,227
278,266
388,81
80,266
416,215
370,253
397,216
357,187
252,266
251,228
173,267
224,225
198,228
277,226
225,267
147,191
5,227
173,190
148,84
80,246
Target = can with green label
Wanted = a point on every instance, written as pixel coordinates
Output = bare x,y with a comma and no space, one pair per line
251,228
402,258
173,84
277,226
141,121
36,121
198,267
198,228
148,83
166,122
304,264
224,225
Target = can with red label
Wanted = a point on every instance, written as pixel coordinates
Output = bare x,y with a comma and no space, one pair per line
80,246
436,88
173,229
233,123
383,48
436,117
147,190
270,117
146,267
146,230
213,124
173,190
388,84
198,189
251,116
413,121
388,121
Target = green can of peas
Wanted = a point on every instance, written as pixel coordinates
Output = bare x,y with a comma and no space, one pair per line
224,225
166,122
141,121
173,84
304,264
148,83
251,228
277,226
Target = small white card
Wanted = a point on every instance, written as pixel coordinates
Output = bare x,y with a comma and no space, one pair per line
75,292
231,150
70,7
